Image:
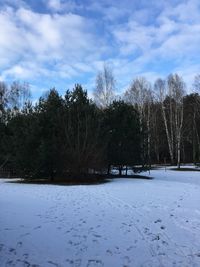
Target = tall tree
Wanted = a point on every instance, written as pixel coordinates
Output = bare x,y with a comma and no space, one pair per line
82,132
49,114
171,94
3,99
140,96
191,128
196,85
105,87
160,88
19,96
122,124
177,91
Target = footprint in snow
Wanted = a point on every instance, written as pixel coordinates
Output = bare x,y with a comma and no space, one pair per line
161,254
95,263
129,248
156,237
12,250
164,243
158,221
9,263
71,262
108,251
19,243
53,263
37,227
127,259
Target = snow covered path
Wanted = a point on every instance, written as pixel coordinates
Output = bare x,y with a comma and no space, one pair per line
122,223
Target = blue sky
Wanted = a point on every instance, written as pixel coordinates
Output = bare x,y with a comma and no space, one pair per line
57,43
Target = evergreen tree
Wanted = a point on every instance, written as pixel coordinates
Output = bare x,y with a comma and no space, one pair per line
123,147
82,128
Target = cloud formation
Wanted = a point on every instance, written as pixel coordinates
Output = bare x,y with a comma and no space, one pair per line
58,42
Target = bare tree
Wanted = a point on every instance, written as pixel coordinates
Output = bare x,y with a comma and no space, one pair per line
177,89
171,95
140,96
160,88
156,126
105,87
196,113
19,95
3,98
196,84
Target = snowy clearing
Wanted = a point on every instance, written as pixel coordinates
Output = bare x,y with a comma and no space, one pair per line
127,222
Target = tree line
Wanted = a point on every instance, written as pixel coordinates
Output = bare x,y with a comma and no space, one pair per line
169,116
66,136
73,135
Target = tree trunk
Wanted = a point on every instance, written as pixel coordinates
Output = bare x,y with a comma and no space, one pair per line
198,142
179,132
108,169
120,170
179,152
169,141
126,170
149,137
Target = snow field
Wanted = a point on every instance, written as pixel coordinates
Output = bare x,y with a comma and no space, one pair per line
126,222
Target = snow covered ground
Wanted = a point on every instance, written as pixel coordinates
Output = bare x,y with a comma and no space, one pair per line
122,223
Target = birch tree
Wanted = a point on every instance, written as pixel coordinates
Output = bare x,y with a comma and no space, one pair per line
105,87
3,99
19,95
160,88
140,96
196,115
196,85
176,87
171,93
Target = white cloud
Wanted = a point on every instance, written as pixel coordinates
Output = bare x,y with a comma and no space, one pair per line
173,36
60,46
31,42
54,4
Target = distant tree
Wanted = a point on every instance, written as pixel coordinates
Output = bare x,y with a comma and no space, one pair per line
171,94
82,133
12,100
176,87
141,97
3,100
51,152
105,87
3,148
191,128
158,136
196,84
123,128
161,89
19,96
21,141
